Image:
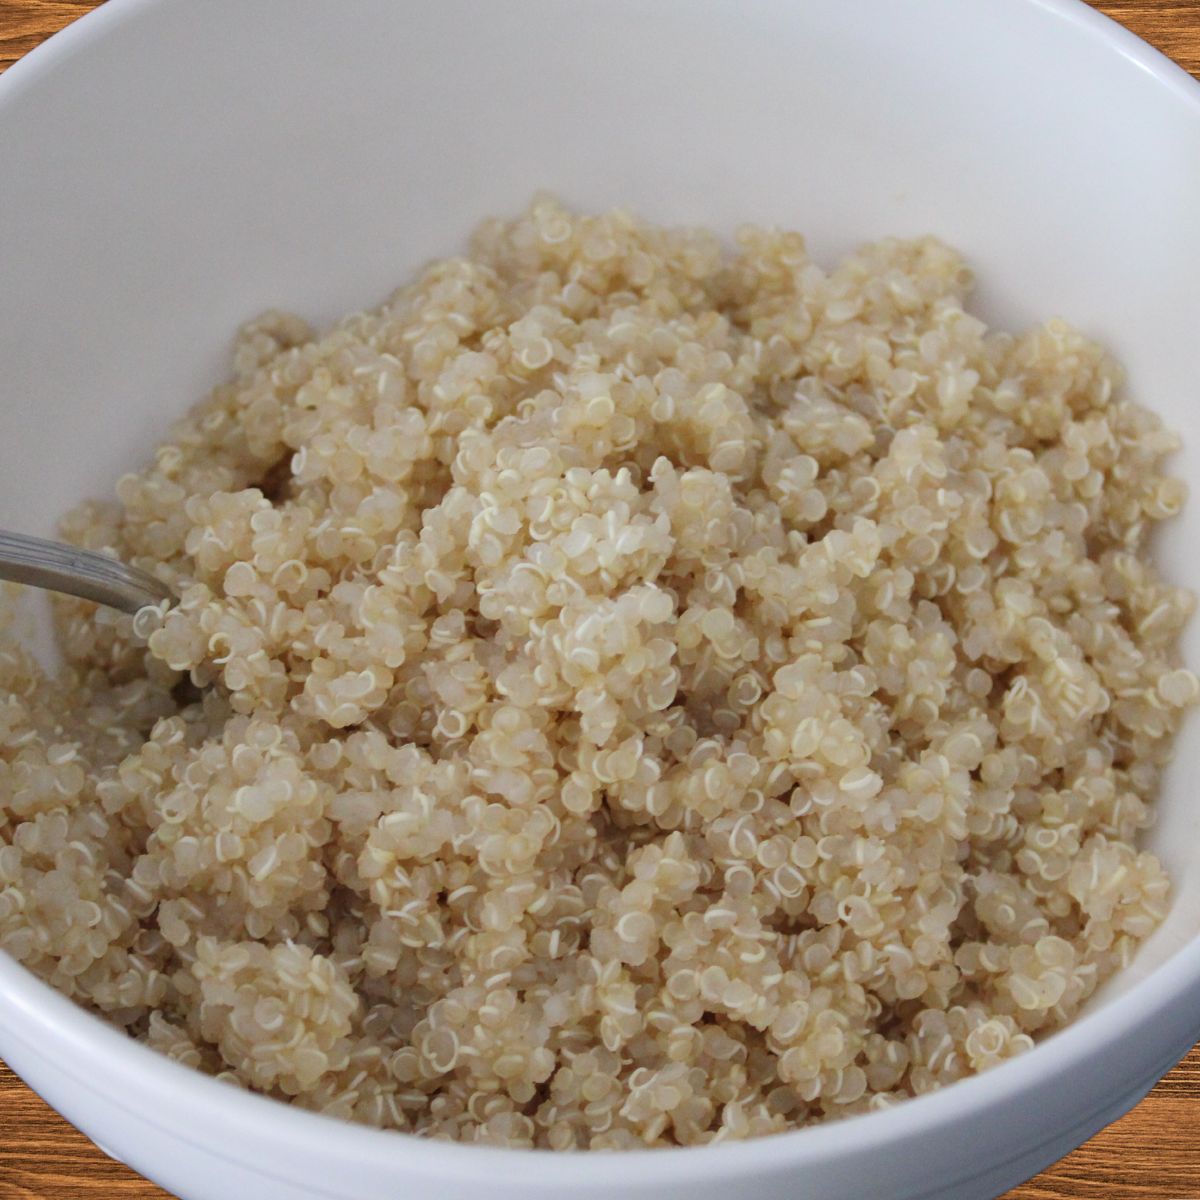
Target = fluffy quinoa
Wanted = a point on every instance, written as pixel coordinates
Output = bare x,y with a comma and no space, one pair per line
622,692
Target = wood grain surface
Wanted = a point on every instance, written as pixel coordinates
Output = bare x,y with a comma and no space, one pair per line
1151,1154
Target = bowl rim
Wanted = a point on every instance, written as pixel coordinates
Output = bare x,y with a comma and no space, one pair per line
86,1047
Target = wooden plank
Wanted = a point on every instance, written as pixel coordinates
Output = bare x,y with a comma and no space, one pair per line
25,23
1152,1154
44,1158
1172,26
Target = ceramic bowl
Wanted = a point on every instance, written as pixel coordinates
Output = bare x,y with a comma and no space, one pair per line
169,169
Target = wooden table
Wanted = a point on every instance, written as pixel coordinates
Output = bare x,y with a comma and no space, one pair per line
1152,1154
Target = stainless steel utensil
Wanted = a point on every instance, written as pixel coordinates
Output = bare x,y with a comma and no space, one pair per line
61,568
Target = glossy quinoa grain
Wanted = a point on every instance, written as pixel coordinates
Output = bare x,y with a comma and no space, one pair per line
622,692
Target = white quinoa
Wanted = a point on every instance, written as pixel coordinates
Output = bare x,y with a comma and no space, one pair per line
621,693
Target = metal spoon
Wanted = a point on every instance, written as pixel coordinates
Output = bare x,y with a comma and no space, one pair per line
62,568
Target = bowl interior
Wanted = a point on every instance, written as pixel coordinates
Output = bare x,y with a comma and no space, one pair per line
173,169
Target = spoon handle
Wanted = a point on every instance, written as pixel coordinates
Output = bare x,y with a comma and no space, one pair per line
61,568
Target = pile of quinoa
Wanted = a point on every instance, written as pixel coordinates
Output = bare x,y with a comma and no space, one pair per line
622,692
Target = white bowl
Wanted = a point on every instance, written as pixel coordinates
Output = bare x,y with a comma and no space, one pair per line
169,169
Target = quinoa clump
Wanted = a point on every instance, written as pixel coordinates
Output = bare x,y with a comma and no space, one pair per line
622,692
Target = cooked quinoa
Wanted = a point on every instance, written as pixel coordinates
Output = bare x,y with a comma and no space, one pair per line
622,692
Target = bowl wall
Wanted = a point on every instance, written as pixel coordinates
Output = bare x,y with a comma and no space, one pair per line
171,169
